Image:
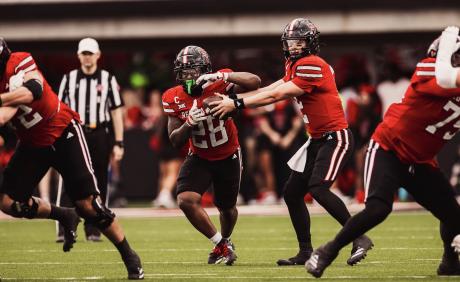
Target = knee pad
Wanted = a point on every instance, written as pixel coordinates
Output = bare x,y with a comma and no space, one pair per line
24,210
103,218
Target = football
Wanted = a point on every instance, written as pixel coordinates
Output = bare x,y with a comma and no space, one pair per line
207,101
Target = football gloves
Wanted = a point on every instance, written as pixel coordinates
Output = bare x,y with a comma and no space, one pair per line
195,115
212,77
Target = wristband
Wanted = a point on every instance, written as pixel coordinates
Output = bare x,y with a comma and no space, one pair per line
1,101
239,104
120,144
232,96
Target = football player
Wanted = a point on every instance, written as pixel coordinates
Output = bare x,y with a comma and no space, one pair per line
309,80
214,156
50,135
401,154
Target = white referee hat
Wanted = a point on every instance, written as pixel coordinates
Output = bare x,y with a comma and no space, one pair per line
88,45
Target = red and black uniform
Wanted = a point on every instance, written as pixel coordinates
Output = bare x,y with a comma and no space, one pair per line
401,154
49,135
414,131
214,156
330,144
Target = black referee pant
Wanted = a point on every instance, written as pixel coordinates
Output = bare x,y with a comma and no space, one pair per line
100,143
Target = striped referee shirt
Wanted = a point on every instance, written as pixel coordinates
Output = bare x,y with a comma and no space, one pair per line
91,96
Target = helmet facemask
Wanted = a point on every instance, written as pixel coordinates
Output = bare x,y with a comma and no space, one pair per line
191,63
300,38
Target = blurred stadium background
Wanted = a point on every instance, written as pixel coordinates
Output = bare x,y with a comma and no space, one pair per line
372,45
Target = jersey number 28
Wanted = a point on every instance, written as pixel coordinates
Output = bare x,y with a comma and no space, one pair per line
198,134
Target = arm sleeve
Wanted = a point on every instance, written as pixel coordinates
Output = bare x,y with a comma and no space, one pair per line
115,98
26,63
424,81
169,106
63,89
308,76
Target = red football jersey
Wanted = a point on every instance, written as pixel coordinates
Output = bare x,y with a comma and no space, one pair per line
41,122
428,116
320,105
212,139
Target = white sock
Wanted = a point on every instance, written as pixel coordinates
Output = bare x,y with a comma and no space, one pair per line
216,238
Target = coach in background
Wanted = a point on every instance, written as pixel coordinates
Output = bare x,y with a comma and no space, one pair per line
94,94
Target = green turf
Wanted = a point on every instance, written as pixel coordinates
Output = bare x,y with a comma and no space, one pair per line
407,248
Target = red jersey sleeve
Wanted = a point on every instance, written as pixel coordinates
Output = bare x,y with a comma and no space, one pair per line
227,86
308,74
424,80
24,62
169,103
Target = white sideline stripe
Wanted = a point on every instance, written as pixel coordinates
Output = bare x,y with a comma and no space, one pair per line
269,265
205,276
200,250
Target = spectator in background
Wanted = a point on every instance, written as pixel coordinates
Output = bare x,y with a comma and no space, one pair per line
393,85
170,157
94,94
281,136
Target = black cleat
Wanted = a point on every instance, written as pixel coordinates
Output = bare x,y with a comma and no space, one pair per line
134,267
360,248
224,251
449,268
299,259
320,259
69,226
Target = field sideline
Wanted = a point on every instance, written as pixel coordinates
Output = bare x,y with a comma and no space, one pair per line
407,248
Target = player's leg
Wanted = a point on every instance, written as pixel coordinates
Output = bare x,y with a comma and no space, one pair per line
226,177
73,162
99,146
295,190
23,173
193,180
384,174
335,151
433,191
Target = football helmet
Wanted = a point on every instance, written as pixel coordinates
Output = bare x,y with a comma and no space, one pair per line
5,53
300,38
432,51
191,62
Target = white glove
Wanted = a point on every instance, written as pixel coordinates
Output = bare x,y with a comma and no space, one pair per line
448,40
456,244
212,77
446,75
16,81
195,115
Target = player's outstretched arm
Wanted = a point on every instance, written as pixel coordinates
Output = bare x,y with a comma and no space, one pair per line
7,113
281,92
26,92
266,88
447,76
244,81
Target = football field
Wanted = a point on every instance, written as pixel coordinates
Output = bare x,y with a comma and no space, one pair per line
407,248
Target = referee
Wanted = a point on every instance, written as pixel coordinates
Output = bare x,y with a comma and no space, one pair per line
94,94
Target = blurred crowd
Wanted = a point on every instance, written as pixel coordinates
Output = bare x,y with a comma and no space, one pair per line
268,136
